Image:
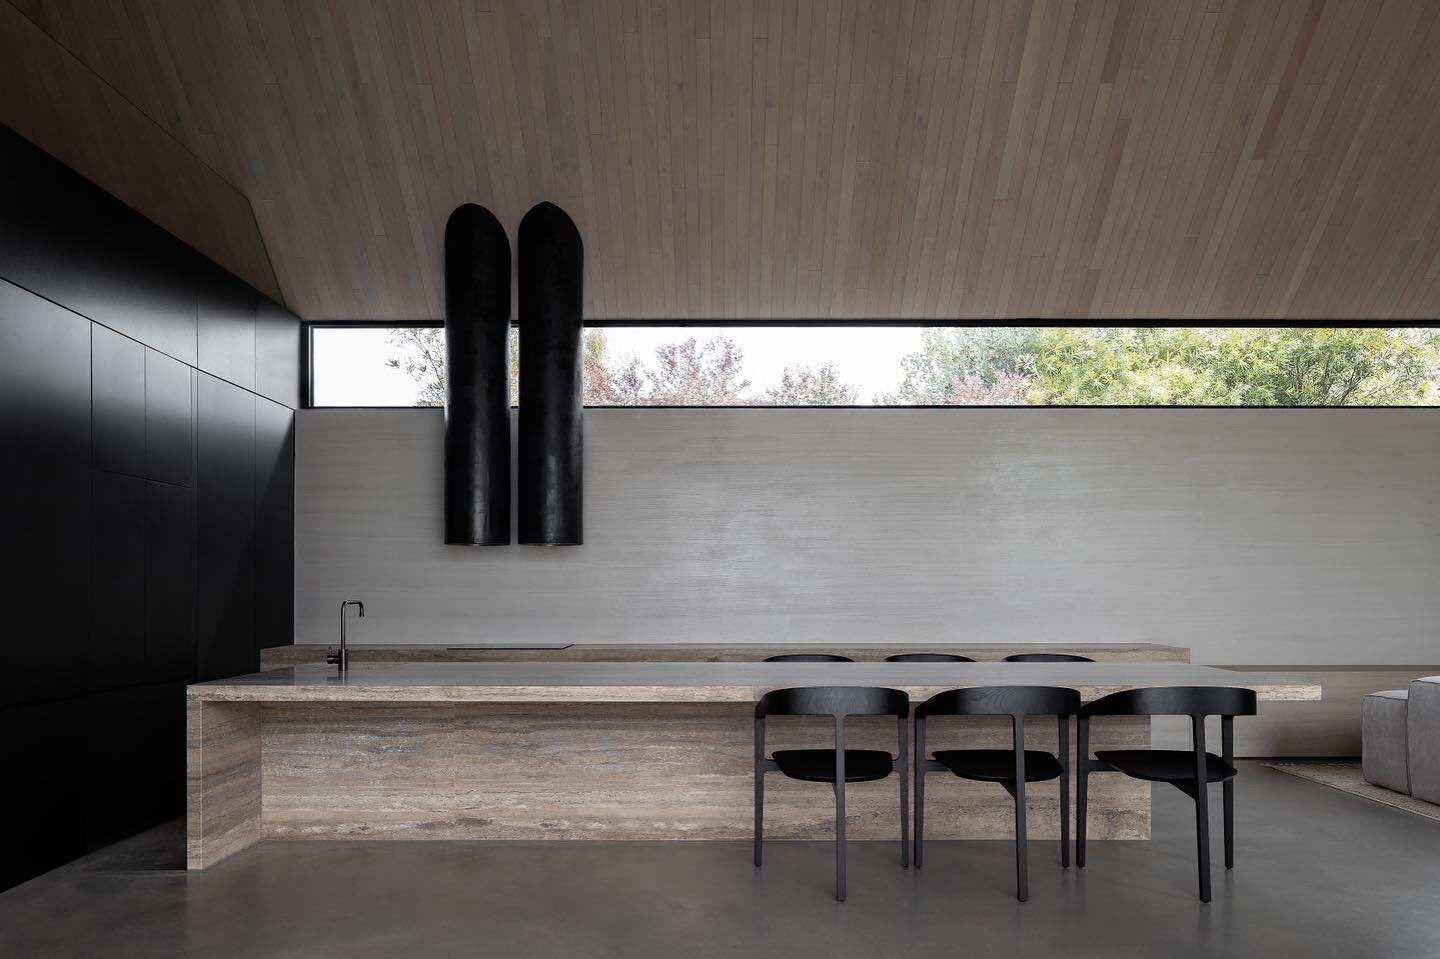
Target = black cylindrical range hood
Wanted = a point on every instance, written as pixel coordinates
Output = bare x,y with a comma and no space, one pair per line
477,378
551,271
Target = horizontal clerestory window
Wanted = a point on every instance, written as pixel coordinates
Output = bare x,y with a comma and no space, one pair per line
851,365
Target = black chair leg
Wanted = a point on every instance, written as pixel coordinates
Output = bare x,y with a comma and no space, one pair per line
904,823
1022,844
1229,824
1227,745
919,815
919,790
1022,870
1082,790
759,816
840,841
1202,849
1064,793
759,789
1202,806
904,800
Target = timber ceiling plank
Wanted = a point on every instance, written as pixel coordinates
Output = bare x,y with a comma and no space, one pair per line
1194,159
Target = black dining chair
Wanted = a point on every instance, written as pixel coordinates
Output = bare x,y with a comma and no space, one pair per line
1011,768
836,766
808,658
1046,658
1191,772
928,658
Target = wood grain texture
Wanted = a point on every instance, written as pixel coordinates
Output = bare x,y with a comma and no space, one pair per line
1247,536
569,771
223,780
62,106
785,158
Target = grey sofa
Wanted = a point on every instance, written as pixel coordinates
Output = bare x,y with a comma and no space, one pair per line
1423,738
1400,731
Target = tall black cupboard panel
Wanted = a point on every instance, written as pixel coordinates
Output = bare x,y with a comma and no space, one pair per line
71,242
169,421
277,353
117,384
275,524
169,582
45,486
225,527
43,795
117,635
134,761
226,326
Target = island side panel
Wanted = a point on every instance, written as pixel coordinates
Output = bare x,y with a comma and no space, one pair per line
626,771
222,756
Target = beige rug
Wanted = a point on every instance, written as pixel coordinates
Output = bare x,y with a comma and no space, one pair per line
1346,777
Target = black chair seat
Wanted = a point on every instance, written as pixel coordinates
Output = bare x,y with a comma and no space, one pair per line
998,765
1165,765
818,765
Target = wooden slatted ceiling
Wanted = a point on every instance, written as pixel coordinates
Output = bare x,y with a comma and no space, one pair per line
807,158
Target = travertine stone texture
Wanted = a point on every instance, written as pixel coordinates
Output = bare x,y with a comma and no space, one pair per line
222,754
565,771
511,750
695,682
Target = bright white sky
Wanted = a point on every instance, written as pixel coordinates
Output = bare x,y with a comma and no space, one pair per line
350,365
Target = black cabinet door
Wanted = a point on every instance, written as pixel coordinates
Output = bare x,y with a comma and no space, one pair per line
71,242
277,353
43,798
227,327
117,382
169,583
169,429
117,634
45,486
274,524
134,761
225,523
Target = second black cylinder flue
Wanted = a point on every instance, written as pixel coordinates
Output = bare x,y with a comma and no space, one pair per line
551,266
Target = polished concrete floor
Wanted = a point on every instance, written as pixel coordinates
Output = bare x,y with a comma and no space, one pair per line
1319,874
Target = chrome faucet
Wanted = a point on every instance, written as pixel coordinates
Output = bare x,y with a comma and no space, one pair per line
341,657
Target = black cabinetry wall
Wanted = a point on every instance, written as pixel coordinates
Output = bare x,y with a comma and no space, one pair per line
146,404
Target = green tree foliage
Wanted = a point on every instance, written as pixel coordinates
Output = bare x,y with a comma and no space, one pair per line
422,358
689,373
1301,366
684,373
1065,366
967,366
809,386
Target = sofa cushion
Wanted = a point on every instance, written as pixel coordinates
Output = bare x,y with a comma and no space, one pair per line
1424,739
1383,731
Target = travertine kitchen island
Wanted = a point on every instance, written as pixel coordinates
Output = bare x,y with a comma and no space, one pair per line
606,750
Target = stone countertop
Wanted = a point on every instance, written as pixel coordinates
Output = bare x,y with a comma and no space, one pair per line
703,682
699,652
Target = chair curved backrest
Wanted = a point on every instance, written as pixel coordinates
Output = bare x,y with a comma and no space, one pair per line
1002,701
808,658
1193,701
928,658
1046,658
837,701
